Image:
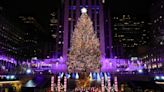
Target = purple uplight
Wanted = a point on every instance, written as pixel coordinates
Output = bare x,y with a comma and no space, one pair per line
57,65
115,65
8,59
107,66
59,68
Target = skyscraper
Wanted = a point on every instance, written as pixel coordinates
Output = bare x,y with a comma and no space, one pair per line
71,14
130,35
56,28
157,19
154,58
11,39
32,31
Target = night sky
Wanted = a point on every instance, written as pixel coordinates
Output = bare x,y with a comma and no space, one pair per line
40,8
133,7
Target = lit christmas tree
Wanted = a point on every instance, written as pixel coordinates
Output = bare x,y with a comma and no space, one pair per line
84,55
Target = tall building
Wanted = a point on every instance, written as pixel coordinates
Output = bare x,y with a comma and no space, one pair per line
130,36
154,59
107,29
11,39
72,10
157,19
56,28
11,46
33,31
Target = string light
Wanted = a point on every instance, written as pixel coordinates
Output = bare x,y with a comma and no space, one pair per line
52,84
102,84
65,84
115,84
58,84
109,84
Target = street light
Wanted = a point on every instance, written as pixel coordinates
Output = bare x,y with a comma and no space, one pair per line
140,71
28,71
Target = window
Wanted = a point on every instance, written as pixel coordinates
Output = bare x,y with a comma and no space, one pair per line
98,19
86,2
69,13
97,2
80,2
74,2
70,2
92,2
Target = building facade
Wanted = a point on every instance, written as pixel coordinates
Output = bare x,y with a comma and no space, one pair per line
11,39
130,36
154,58
56,29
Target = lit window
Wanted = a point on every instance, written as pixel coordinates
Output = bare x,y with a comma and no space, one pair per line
59,42
115,28
159,65
154,66
149,66
161,43
126,23
69,19
144,34
142,21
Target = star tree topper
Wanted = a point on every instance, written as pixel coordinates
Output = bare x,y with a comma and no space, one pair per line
83,10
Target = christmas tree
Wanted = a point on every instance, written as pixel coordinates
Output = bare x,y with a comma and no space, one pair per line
84,55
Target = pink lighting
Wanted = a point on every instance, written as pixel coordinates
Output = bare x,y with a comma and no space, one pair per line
115,84
65,84
58,84
102,84
52,84
109,84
